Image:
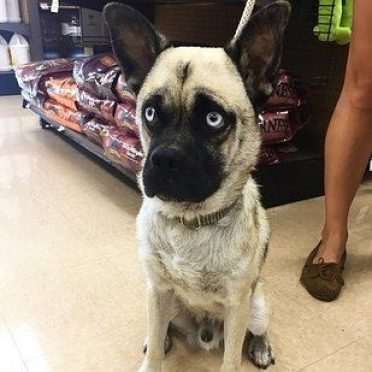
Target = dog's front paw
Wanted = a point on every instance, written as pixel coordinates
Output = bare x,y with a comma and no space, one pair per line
146,367
260,351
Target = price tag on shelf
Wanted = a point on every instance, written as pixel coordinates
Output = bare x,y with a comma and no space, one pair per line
55,6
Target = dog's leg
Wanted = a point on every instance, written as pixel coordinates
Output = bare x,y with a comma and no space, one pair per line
160,312
259,348
187,325
234,333
167,346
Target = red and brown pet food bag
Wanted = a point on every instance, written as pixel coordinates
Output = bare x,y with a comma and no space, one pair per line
62,89
30,76
276,127
123,148
101,108
37,101
93,130
285,95
65,116
97,75
125,117
124,91
269,156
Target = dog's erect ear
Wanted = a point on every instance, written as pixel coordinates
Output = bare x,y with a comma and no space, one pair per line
257,50
135,42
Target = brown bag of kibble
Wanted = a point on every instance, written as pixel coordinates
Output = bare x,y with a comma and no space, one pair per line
124,91
65,116
93,130
101,108
97,75
123,148
30,77
125,117
62,89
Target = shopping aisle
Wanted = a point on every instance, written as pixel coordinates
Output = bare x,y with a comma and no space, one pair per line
72,295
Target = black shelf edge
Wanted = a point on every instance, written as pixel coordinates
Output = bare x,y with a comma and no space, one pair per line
21,28
8,84
170,2
11,72
299,177
82,141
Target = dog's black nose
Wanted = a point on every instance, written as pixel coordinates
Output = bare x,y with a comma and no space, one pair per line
168,159
206,335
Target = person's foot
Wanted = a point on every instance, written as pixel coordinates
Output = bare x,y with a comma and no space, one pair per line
324,280
331,249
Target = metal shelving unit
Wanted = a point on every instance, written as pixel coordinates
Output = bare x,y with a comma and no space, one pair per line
21,28
31,31
8,83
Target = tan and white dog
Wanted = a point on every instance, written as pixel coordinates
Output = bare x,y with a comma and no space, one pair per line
202,231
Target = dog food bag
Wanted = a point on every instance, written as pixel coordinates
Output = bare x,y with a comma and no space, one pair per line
107,83
286,95
124,91
30,76
122,147
36,101
65,116
269,156
125,117
101,108
276,127
97,75
62,89
93,129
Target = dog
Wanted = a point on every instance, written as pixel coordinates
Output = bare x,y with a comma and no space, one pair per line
203,234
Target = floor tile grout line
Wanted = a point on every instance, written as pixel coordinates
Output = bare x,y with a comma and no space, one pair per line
14,341
333,352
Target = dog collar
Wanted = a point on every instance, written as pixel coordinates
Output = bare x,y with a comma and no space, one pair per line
202,221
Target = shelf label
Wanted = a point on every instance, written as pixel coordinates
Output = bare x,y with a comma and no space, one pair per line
55,6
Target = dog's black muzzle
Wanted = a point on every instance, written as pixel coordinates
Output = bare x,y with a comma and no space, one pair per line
175,174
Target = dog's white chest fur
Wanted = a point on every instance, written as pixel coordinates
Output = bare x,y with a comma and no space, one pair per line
203,268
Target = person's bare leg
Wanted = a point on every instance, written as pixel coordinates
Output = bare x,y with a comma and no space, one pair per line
349,137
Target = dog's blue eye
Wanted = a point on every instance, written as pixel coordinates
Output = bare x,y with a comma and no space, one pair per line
215,120
150,114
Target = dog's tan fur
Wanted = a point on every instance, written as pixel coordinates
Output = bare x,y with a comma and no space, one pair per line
208,277
210,272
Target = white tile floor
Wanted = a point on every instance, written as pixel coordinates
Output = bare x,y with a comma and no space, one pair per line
71,288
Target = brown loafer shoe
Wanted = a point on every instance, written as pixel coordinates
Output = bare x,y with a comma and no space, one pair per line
323,281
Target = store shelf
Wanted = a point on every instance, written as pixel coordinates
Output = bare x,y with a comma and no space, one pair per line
8,84
80,140
224,2
21,28
6,73
297,178
100,3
